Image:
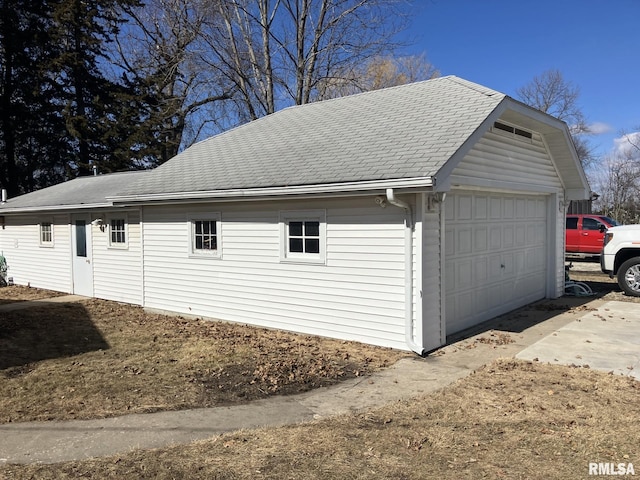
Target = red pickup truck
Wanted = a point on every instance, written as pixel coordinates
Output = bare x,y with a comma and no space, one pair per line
585,233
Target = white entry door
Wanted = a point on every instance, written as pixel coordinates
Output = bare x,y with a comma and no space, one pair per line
82,262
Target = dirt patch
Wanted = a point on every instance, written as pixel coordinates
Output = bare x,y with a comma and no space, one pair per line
95,359
20,293
511,419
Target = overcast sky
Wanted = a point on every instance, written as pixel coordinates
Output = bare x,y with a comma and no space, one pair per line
503,44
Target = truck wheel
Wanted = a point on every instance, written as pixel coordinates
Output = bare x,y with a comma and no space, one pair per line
629,277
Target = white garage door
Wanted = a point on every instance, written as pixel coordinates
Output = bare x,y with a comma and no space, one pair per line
496,256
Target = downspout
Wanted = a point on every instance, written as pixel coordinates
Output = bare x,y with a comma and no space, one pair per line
408,271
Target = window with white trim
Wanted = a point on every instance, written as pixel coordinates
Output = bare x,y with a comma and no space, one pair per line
118,232
46,234
205,235
303,236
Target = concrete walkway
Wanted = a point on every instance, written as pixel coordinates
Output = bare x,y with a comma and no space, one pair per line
10,307
607,338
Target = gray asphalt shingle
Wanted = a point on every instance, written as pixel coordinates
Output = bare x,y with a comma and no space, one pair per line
408,131
403,132
81,191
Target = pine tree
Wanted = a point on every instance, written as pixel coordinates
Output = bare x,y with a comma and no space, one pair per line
91,101
32,145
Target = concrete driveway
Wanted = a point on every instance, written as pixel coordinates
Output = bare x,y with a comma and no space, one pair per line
607,339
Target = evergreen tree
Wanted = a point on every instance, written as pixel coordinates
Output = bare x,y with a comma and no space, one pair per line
91,102
32,131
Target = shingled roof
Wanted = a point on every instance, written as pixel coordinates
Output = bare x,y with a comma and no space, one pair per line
405,136
81,192
403,132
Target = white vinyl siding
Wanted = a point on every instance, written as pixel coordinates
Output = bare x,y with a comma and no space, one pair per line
117,269
28,262
500,159
357,295
431,290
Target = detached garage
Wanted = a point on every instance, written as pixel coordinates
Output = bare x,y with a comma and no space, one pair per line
394,217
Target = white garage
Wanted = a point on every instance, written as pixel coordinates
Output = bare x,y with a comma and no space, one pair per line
496,255
394,217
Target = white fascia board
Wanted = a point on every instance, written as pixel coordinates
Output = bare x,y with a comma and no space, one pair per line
577,194
52,208
260,193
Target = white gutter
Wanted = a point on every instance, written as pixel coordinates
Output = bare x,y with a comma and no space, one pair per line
251,193
408,266
48,208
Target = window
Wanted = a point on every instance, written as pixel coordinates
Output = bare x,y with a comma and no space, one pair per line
81,238
205,235
590,224
572,223
118,232
303,236
46,234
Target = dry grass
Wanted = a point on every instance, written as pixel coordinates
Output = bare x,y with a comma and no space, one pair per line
511,420
95,359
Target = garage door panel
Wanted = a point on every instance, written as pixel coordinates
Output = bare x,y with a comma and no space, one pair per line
496,208
463,241
480,240
483,301
450,247
495,238
450,277
508,208
495,267
508,263
497,258
481,272
508,236
521,235
464,210
464,275
481,209
535,259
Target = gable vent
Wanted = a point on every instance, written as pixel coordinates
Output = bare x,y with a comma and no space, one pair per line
514,130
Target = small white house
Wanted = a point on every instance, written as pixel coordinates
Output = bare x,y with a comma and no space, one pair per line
393,217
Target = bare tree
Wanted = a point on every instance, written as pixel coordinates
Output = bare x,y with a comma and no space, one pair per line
161,53
550,93
203,66
619,186
282,52
379,72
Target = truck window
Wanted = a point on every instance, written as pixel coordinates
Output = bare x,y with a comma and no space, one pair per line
590,224
572,223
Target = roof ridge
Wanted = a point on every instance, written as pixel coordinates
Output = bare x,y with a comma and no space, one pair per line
489,92
321,103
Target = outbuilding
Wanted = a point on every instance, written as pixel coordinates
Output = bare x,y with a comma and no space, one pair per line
393,217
